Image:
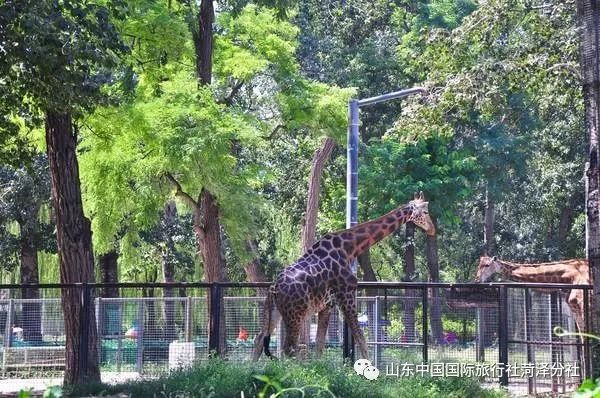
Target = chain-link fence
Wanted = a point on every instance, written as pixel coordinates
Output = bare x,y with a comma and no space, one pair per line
496,332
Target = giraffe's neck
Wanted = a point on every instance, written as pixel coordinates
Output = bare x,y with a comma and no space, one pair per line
362,236
554,272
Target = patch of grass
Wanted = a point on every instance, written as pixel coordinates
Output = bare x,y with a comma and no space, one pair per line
286,378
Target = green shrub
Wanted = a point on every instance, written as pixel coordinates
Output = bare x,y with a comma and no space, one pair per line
287,378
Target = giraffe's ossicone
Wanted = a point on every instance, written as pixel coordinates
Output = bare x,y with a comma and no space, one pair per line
322,278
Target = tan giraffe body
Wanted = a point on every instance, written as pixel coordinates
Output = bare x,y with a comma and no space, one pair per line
573,272
323,278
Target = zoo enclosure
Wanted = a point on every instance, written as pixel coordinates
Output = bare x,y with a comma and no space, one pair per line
150,328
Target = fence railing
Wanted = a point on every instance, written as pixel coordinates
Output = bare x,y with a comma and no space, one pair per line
152,327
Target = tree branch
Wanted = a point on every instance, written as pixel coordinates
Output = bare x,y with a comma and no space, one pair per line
234,90
179,192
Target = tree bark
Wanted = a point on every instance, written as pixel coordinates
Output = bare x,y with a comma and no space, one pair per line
73,235
203,42
254,270
437,331
588,12
32,317
410,331
488,225
208,237
319,159
109,273
110,312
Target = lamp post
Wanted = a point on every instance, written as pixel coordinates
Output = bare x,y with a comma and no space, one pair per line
354,106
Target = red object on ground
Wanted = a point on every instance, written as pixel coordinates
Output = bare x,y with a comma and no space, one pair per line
243,334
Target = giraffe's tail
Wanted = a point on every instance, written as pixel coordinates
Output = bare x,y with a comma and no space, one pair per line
262,341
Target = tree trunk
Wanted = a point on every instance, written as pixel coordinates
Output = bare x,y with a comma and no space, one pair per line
410,331
309,230
437,332
110,311
589,19
320,156
168,268
203,42
109,273
488,225
208,238
32,317
73,235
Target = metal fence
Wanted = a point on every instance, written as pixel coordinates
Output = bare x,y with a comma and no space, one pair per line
499,332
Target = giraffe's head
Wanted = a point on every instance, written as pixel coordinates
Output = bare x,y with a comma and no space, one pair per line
488,266
420,214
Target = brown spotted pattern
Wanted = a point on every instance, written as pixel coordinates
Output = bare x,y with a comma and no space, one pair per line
322,278
574,272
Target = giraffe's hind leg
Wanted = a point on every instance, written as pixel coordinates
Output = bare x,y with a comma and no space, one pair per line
322,329
347,303
259,340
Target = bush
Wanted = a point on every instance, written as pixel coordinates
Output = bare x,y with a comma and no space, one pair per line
287,378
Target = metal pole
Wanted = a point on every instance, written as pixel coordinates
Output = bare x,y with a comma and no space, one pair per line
352,166
139,362
351,202
215,320
587,353
84,320
425,334
531,382
352,178
503,334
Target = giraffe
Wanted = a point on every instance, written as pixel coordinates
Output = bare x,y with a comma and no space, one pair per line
575,272
322,277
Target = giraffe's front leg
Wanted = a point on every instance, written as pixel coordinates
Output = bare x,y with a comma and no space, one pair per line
292,331
322,329
347,303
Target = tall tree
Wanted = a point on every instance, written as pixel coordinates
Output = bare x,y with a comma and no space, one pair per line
23,192
589,19
59,61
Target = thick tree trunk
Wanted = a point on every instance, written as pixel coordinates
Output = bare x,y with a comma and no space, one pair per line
110,311
589,19
364,261
319,159
169,220
488,224
206,214
410,331
32,319
109,272
309,230
74,249
437,332
253,268
208,237
203,42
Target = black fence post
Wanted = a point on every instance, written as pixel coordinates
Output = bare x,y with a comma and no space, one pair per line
531,387
84,320
214,323
587,352
503,335
425,331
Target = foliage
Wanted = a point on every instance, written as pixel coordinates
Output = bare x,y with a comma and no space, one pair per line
23,191
56,56
316,378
